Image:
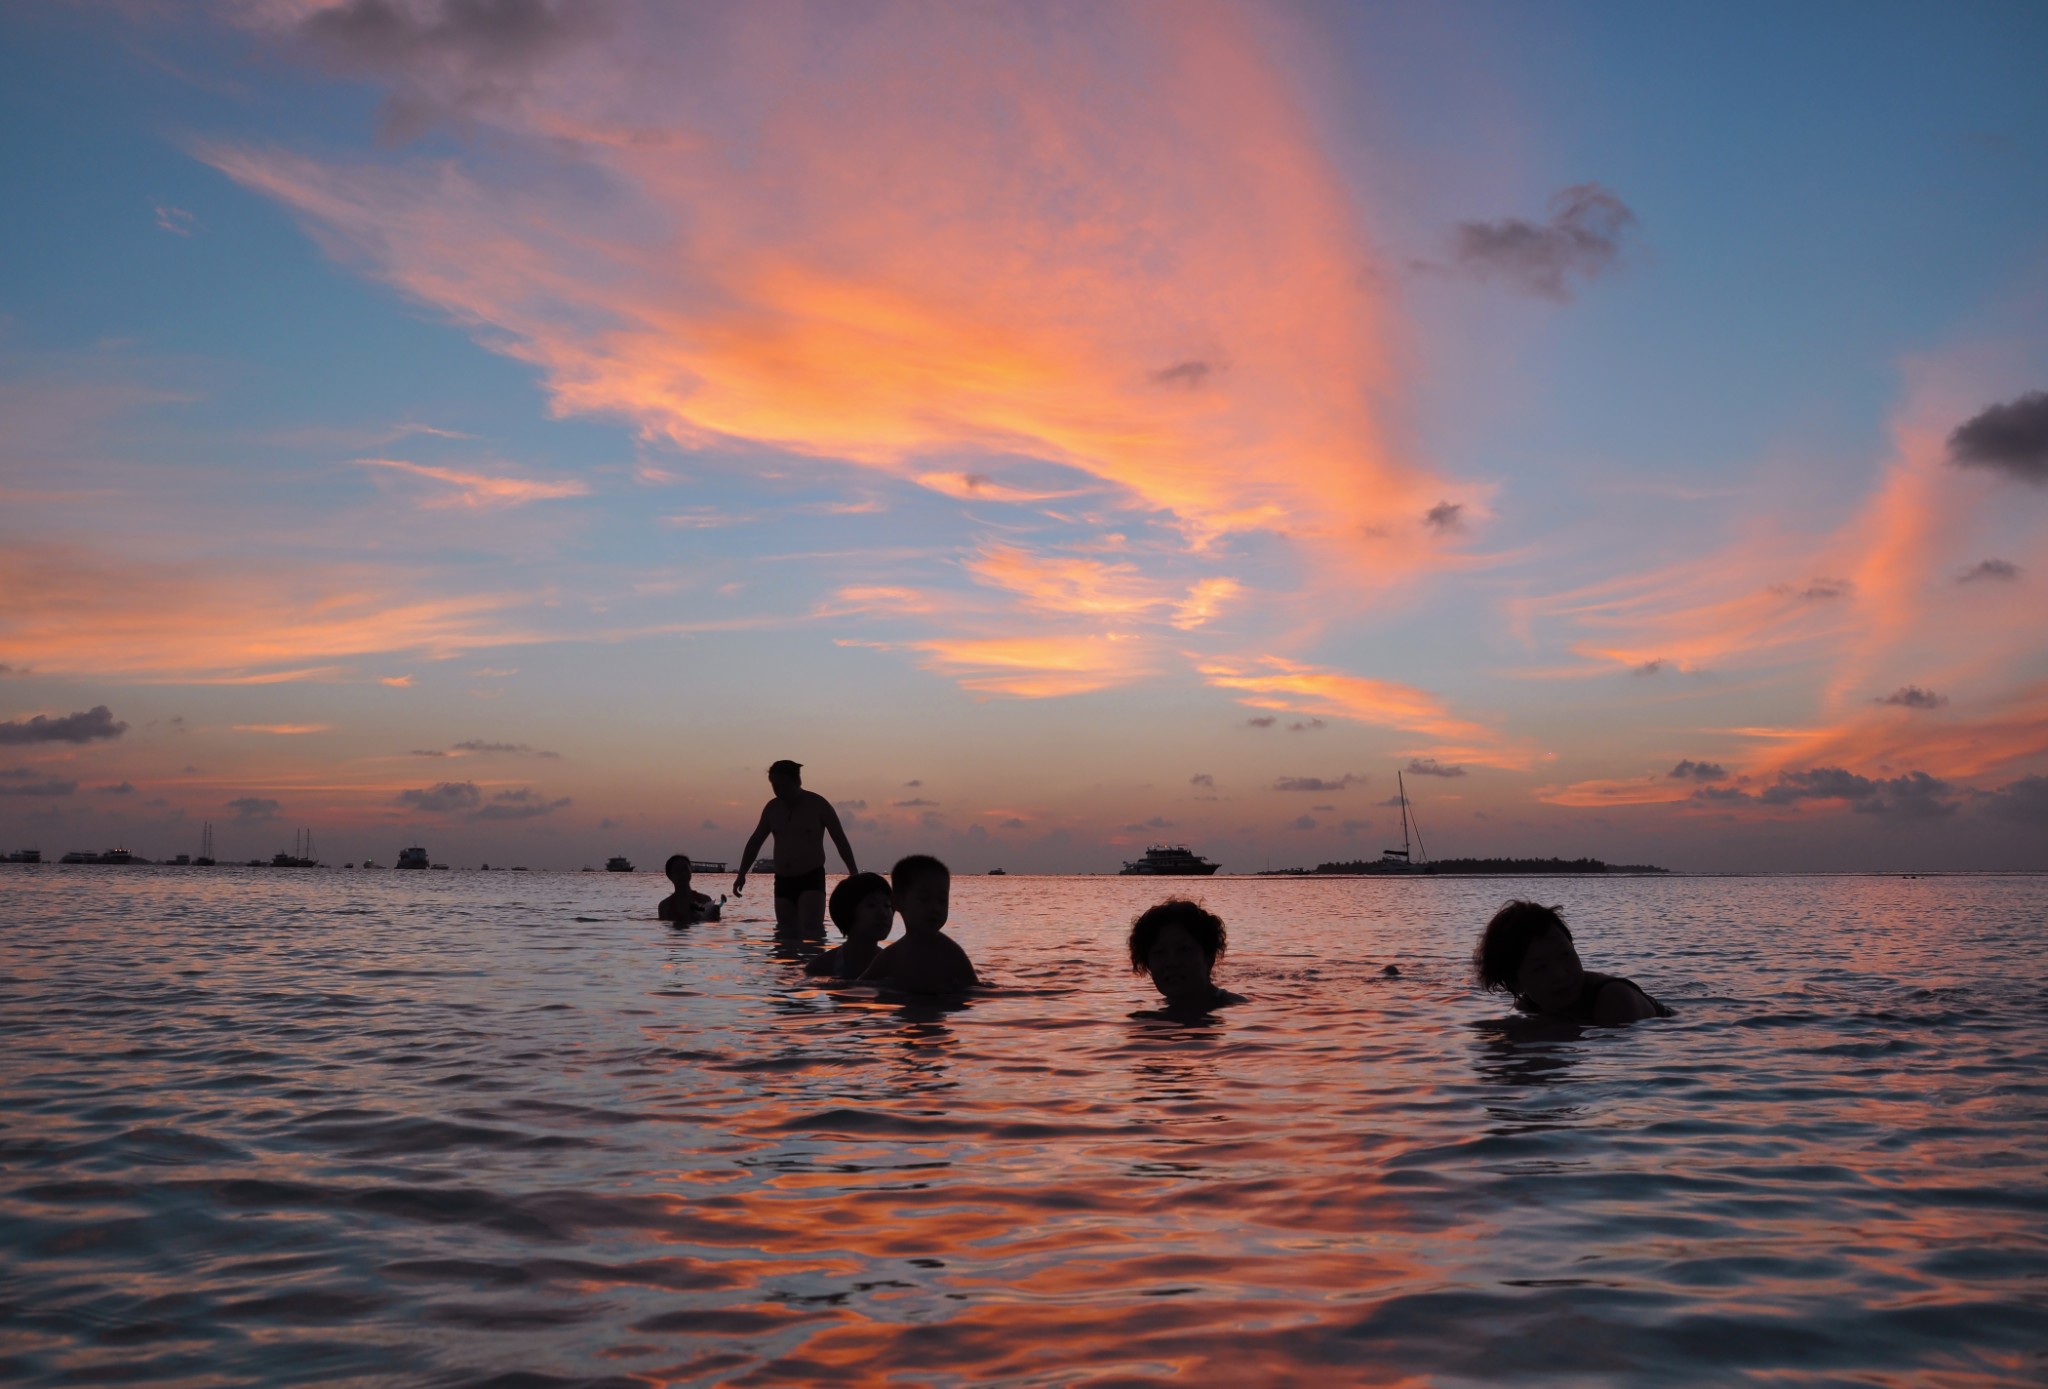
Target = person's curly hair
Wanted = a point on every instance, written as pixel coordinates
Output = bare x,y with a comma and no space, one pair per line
1204,925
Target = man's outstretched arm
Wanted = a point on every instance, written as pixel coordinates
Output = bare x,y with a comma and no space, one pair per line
838,834
754,843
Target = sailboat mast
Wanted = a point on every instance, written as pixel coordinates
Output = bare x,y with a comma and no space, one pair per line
1403,786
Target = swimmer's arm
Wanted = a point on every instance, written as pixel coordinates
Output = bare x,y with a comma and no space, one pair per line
754,843
1621,1002
832,827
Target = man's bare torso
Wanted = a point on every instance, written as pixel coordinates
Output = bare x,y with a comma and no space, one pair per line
798,825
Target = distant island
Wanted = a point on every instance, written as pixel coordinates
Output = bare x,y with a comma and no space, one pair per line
1503,866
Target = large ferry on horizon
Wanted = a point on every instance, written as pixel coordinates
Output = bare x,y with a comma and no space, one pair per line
415,857
1171,861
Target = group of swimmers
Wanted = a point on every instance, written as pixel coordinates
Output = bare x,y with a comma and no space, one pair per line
1526,951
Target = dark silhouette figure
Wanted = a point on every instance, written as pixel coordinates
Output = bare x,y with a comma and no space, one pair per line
863,910
925,961
1177,943
1527,951
799,820
685,904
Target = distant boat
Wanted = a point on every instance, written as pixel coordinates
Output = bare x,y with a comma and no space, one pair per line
1170,861
415,857
998,873
1403,859
762,865
618,863
26,856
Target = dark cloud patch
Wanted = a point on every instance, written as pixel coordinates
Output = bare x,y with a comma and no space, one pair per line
1354,826
1324,809
91,726
1013,823
2024,802
478,745
1429,766
53,786
1393,802
255,808
1814,590
1655,667
1157,822
1912,697
913,783
1302,822
442,798
851,805
1305,726
1721,793
2011,438
1689,770
447,55
522,804
708,825
1191,375
428,752
1260,721
8,672
122,789
1995,570
1914,796
1316,783
608,823
1445,517
1581,240
914,803
1202,779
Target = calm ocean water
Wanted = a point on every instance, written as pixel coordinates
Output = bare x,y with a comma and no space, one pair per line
274,1127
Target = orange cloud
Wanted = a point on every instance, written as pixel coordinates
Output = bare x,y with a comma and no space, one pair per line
74,612
284,728
1277,683
1037,667
969,229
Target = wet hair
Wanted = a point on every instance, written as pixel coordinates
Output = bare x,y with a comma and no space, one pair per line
1497,959
851,892
1204,925
677,861
918,866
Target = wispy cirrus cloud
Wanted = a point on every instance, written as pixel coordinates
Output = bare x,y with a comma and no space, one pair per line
477,490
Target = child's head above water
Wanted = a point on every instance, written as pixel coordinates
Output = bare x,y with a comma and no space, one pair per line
678,869
922,886
1528,951
1177,943
862,908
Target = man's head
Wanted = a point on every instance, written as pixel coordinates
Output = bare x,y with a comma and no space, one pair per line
785,776
678,870
923,889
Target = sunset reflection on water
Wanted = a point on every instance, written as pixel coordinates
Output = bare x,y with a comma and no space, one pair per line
263,1127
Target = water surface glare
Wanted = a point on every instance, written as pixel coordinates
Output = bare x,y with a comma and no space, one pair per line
276,1127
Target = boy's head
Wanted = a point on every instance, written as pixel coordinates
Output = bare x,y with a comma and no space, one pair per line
923,888
861,907
1527,950
1177,943
678,869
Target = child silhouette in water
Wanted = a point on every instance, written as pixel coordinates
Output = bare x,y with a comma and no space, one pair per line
1177,943
863,910
925,961
1527,951
684,905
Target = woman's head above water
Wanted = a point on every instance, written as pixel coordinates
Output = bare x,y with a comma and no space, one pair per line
1527,951
1177,943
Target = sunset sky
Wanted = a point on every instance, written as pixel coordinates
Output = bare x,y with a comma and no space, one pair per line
508,426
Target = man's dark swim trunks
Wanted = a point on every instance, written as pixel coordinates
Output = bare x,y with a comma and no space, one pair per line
797,884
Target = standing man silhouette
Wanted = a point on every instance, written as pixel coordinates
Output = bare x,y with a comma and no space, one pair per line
799,820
